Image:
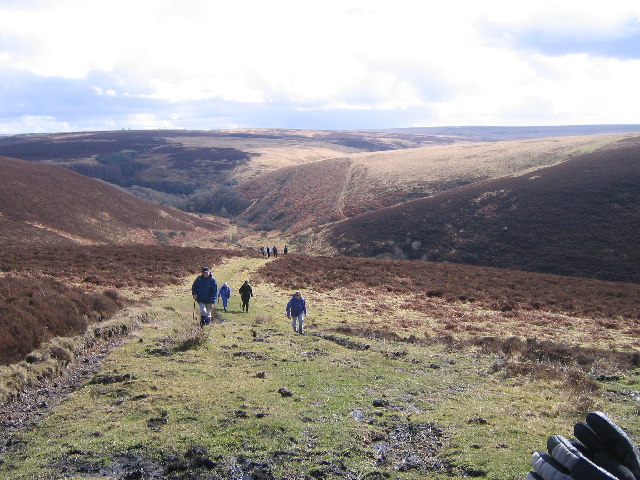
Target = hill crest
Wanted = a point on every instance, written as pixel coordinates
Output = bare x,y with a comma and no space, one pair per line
329,190
48,204
577,218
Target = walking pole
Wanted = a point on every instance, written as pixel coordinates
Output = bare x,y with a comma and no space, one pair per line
194,311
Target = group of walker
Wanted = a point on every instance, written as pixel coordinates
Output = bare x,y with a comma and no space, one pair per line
205,292
268,251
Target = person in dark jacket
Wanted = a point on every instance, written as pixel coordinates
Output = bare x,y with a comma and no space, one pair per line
224,293
246,292
296,310
205,291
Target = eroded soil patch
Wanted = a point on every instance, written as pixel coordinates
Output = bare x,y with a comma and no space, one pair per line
33,405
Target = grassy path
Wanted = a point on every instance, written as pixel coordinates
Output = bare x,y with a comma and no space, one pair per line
256,400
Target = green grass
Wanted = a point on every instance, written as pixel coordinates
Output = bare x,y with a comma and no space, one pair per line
346,404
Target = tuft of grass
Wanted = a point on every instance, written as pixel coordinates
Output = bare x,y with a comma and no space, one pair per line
261,319
190,338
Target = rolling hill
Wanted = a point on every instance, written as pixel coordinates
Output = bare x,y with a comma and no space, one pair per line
46,204
179,162
423,194
164,166
320,192
580,218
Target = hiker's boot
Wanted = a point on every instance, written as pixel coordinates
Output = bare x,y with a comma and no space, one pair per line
203,320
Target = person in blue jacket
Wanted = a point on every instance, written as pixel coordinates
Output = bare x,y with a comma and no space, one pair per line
205,291
296,310
224,293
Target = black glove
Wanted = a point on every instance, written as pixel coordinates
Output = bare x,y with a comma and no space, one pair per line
611,447
565,461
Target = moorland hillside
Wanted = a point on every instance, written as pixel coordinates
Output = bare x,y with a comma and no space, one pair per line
46,204
579,218
334,189
196,170
181,162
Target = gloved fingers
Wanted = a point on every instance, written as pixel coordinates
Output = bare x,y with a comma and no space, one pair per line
606,428
588,437
548,468
610,463
563,452
582,448
615,440
533,476
580,467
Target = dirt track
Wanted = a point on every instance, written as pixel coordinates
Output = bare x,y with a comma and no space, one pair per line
34,405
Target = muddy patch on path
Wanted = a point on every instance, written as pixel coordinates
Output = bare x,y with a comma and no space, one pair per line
412,447
344,342
34,405
139,463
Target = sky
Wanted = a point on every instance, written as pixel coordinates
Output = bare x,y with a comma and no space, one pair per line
80,65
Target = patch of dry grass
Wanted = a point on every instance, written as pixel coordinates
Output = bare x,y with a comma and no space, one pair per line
542,327
400,175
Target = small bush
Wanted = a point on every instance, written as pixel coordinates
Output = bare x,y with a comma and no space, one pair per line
161,238
193,337
61,354
33,311
262,318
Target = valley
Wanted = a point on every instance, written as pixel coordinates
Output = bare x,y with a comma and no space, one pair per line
469,293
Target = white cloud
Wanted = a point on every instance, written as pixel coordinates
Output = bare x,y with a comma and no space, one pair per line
453,58
34,124
563,16
102,92
141,121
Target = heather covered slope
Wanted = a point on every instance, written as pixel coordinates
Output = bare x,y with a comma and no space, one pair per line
580,217
297,197
45,204
329,190
179,167
180,162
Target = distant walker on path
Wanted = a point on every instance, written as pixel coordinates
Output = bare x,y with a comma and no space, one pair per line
224,293
246,292
296,310
205,291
